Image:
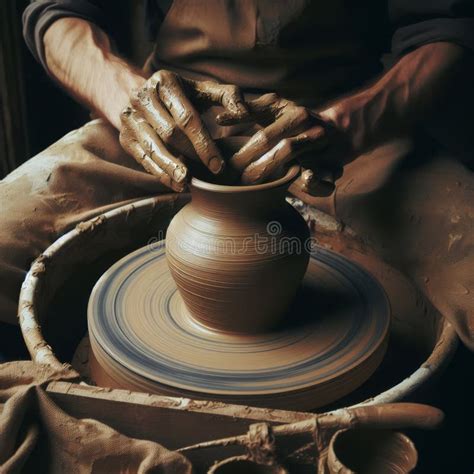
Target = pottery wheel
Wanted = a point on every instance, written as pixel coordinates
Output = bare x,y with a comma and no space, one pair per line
143,338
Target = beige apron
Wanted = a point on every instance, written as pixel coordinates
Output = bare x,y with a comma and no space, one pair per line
304,50
419,214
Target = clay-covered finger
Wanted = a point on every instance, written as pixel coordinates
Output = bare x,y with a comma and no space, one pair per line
188,120
310,183
262,109
147,103
324,171
154,148
270,163
306,180
229,96
134,149
325,161
289,124
282,153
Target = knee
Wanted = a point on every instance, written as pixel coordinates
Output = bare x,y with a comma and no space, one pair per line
22,239
12,274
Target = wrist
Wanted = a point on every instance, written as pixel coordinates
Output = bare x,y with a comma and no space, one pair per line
79,57
119,81
414,87
357,117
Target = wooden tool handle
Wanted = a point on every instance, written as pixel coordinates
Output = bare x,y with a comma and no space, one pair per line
386,416
397,416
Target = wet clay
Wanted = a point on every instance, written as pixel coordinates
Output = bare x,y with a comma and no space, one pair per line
162,127
162,130
290,131
238,254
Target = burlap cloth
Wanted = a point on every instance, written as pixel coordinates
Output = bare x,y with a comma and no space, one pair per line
37,436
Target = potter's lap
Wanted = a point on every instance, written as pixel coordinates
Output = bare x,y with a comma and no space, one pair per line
81,175
420,219
84,170
408,204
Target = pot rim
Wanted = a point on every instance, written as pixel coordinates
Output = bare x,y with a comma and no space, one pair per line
290,175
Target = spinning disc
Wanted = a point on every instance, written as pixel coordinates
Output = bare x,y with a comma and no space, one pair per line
143,338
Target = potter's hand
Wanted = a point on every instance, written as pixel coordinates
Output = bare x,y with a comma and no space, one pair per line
323,141
289,131
162,127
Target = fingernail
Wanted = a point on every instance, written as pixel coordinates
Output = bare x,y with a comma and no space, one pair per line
179,174
216,165
241,109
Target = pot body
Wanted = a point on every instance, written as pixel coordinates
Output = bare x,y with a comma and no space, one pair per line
238,257
371,451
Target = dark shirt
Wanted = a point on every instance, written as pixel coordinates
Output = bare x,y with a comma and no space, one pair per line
403,24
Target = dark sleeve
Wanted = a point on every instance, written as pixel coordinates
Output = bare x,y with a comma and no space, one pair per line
40,14
419,22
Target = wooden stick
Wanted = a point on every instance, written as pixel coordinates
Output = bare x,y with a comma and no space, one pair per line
386,416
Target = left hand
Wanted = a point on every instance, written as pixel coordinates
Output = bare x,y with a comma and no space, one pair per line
323,141
162,126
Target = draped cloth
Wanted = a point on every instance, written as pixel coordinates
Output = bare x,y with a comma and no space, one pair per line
37,436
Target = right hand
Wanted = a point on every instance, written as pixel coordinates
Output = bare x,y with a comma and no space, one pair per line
288,131
161,127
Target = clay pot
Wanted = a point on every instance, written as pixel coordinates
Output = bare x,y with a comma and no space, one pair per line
238,253
239,464
371,451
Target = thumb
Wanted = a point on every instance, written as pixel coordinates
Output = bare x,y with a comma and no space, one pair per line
264,106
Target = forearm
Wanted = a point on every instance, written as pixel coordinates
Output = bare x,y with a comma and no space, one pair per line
422,80
413,89
79,57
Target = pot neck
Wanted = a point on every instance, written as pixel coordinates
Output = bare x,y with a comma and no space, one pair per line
244,203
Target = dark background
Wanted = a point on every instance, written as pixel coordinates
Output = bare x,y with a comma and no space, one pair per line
34,112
